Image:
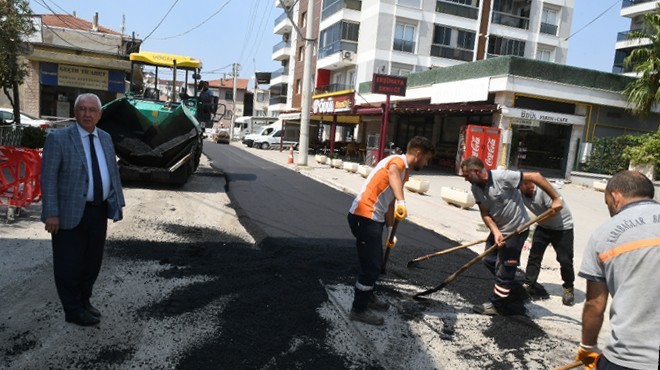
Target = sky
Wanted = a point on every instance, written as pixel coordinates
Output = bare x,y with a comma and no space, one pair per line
223,32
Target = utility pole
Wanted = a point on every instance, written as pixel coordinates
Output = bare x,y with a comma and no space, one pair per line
305,104
233,106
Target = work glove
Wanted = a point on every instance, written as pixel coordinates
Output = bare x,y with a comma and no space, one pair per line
394,240
588,355
400,210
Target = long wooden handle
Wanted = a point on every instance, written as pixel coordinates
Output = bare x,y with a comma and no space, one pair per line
434,254
572,365
390,240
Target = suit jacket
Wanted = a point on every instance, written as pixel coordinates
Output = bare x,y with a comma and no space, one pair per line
64,177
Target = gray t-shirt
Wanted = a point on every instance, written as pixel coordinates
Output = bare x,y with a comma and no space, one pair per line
540,202
502,199
625,254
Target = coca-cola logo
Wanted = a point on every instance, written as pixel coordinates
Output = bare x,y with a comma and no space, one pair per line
474,146
490,154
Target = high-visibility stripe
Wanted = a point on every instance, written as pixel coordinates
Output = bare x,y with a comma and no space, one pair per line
364,288
501,291
629,247
375,196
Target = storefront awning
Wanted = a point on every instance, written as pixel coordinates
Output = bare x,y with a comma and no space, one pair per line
421,108
341,119
289,116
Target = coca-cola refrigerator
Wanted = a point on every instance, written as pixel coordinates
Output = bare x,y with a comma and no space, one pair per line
478,141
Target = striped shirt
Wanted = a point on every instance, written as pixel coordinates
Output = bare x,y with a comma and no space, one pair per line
376,195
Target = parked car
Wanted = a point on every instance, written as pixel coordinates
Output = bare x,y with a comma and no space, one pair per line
7,116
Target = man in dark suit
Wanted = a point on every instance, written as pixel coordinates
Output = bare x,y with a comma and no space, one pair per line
81,189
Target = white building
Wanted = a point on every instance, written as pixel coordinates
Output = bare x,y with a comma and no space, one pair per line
398,37
635,10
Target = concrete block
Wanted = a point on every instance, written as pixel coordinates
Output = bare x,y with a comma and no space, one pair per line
599,185
351,166
364,170
336,163
417,185
320,158
457,197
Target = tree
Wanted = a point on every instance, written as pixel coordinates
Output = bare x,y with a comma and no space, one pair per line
15,26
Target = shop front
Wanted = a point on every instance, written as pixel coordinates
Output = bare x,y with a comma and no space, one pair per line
542,140
61,83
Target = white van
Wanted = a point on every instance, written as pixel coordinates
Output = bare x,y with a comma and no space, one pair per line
250,139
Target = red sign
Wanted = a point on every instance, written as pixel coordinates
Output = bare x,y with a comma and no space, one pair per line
482,142
389,85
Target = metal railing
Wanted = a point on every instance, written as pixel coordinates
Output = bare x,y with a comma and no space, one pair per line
460,10
404,45
339,5
284,71
451,53
332,88
336,47
280,19
510,20
277,100
627,3
281,45
10,135
622,36
547,28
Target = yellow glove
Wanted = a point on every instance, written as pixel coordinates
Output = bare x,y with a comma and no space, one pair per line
394,240
400,210
588,355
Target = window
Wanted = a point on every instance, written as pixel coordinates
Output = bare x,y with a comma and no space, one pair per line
261,96
549,21
401,69
351,78
229,95
298,86
301,53
341,36
442,35
465,40
410,3
501,46
544,55
404,38
303,19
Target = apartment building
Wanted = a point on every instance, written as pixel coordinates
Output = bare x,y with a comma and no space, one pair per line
635,11
398,37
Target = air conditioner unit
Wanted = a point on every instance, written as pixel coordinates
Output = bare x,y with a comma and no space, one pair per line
346,55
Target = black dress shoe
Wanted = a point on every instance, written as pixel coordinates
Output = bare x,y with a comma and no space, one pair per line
83,318
92,310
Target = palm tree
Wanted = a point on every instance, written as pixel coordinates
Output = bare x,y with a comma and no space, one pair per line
644,92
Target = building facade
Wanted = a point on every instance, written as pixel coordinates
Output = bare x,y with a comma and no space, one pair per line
635,11
69,56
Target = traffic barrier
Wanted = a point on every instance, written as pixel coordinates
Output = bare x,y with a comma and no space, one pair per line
20,174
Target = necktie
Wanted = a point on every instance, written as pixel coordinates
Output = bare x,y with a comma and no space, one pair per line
96,173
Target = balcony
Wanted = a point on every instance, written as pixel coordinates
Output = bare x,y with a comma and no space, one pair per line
282,25
282,51
460,10
339,5
623,36
627,3
510,20
452,53
277,100
332,88
549,29
337,55
280,76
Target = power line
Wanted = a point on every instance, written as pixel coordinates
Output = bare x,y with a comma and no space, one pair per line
593,20
197,26
246,36
262,29
161,21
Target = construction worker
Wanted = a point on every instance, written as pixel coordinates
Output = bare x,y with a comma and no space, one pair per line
557,230
503,211
622,259
379,202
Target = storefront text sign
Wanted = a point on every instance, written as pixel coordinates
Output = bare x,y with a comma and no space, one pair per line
389,85
77,76
530,117
332,104
53,74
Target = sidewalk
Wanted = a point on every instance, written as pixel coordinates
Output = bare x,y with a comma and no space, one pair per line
465,225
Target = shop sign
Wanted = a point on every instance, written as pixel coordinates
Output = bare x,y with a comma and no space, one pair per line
389,85
333,104
82,77
521,116
525,122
